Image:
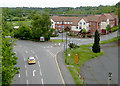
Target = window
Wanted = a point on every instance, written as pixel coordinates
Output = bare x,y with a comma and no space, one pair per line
80,23
76,27
90,23
59,25
52,22
93,33
71,22
98,24
62,26
52,26
94,24
57,22
56,25
80,28
93,28
84,23
76,32
90,28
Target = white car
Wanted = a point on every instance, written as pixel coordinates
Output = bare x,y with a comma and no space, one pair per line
31,60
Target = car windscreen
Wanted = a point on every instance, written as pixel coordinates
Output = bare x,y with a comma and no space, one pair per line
31,59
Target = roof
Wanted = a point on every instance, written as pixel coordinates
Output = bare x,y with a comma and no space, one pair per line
31,57
93,18
74,20
109,16
86,19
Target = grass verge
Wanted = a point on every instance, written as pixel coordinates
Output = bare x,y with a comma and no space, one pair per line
85,53
56,40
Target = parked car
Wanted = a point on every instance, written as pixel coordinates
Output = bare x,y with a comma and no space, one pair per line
31,60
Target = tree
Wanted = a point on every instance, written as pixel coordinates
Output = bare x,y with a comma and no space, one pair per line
96,46
41,26
108,28
23,31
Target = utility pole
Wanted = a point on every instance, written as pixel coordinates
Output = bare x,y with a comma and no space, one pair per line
66,46
62,30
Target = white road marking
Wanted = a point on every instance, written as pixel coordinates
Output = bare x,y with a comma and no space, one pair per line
26,51
51,53
36,56
38,64
19,75
26,72
25,65
42,81
34,72
24,59
40,73
27,81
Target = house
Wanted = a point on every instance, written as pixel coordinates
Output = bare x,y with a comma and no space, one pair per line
91,23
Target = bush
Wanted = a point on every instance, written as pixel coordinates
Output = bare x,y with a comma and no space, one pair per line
89,35
72,45
22,19
114,29
16,19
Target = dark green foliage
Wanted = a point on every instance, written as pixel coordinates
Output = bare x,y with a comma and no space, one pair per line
89,35
108,28
9,60
41,26
72,45
96,45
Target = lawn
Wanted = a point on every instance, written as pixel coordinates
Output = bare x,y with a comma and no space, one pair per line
56,40
85,53
18,23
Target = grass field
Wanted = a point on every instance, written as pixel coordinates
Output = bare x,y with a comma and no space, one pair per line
57,40
18,23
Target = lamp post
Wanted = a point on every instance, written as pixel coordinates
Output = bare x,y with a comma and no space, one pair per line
62,30
66,45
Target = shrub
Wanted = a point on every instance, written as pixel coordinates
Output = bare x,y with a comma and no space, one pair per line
72,45
114,29
89,35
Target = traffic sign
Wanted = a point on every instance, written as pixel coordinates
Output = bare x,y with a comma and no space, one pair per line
76,59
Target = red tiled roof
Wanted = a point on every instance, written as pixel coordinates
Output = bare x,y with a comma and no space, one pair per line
74,20
93,18
109,16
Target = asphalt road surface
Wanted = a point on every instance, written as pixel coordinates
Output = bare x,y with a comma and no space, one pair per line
45,71
95,71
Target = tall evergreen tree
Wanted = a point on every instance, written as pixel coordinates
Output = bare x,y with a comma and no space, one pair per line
96,45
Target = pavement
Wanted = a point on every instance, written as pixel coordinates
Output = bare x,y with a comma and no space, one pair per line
68,79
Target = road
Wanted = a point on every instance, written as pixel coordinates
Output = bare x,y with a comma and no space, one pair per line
45,71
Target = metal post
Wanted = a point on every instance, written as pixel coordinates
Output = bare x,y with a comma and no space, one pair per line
66,47
62,30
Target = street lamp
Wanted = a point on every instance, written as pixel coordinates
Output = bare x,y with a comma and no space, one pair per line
62,30
66,45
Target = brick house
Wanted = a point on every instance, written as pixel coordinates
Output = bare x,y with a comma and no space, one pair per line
90,23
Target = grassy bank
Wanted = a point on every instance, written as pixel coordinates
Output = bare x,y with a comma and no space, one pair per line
85,53
56,40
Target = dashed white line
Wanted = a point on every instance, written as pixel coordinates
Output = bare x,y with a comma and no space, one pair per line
27,81
42,81
36,56
19,75
25,65
51,53
26,72
38,64
40,73
26,51
24,59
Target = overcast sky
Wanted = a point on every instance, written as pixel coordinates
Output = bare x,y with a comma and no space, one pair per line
55,3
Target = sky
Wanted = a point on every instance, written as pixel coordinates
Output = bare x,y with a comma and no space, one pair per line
55,3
